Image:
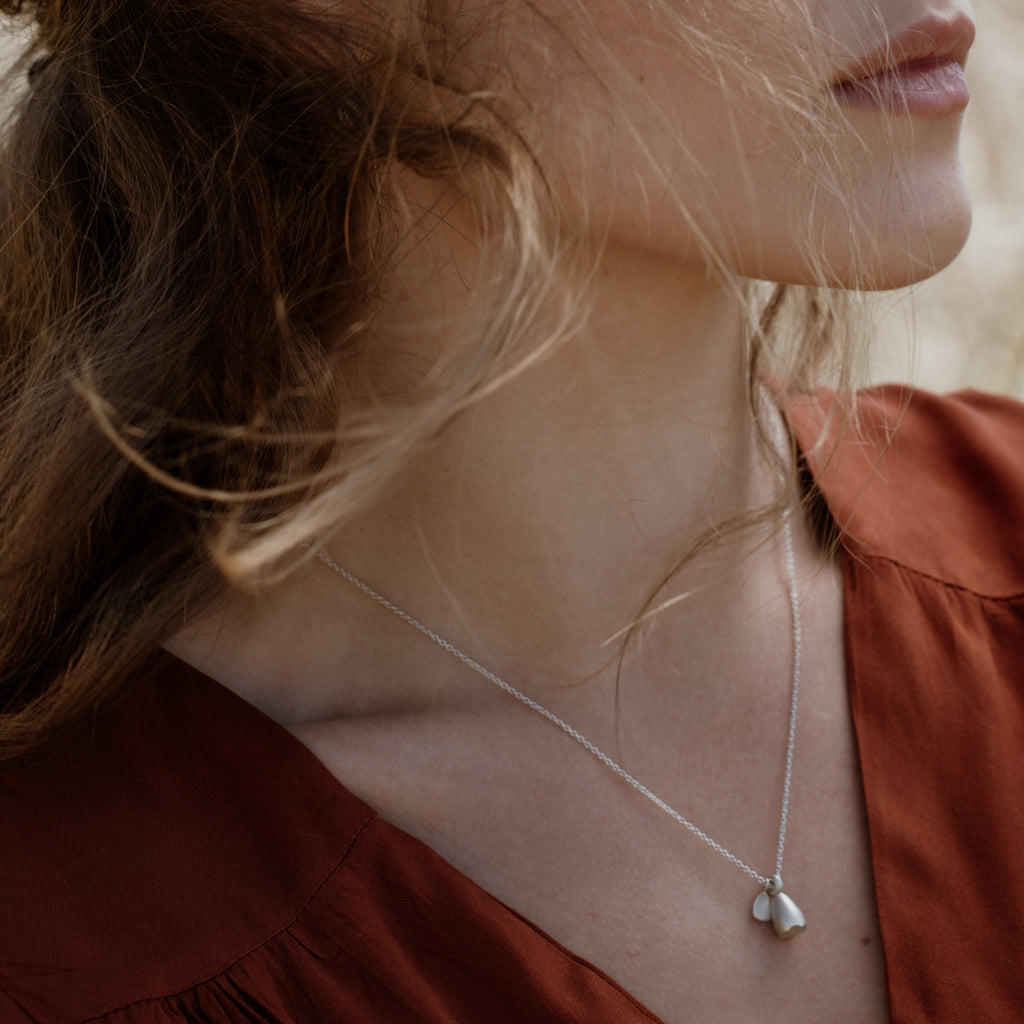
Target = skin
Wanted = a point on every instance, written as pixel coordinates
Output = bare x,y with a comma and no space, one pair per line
537,527
718,143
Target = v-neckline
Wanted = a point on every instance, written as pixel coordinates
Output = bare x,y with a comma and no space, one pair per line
345,796
356,807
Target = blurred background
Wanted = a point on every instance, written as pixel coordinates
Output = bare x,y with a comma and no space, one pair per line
964,327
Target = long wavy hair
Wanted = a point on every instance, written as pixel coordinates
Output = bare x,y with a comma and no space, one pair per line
198,209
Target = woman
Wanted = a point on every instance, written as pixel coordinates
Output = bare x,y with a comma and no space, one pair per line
385,380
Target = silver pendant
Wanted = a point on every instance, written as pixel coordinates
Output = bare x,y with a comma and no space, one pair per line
772,904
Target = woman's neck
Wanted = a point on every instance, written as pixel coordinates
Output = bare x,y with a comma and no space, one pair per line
543,520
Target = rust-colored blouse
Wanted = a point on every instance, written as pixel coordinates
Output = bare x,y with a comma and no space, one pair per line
184,858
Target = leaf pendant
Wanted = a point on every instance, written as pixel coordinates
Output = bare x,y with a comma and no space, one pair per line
772,904
787,918
763,907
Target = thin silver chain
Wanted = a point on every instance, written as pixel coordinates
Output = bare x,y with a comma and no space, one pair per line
592,748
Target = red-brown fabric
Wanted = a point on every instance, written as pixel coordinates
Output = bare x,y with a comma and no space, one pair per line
934,593
187,859
184,858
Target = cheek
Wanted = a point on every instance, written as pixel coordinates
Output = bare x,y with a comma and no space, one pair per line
681,144
737,150
696,171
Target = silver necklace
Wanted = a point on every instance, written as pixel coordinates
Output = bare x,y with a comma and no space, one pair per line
771,904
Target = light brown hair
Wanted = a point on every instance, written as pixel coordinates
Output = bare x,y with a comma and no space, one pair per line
197,215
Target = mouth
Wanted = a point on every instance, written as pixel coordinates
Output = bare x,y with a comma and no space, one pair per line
919,71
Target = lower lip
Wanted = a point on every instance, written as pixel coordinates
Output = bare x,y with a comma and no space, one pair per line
926,90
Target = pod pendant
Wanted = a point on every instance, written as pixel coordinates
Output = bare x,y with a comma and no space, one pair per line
772,904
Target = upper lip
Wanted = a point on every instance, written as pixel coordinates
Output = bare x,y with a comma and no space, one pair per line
931,39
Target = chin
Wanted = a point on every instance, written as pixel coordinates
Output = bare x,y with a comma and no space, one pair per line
897,240
913,224
931,238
